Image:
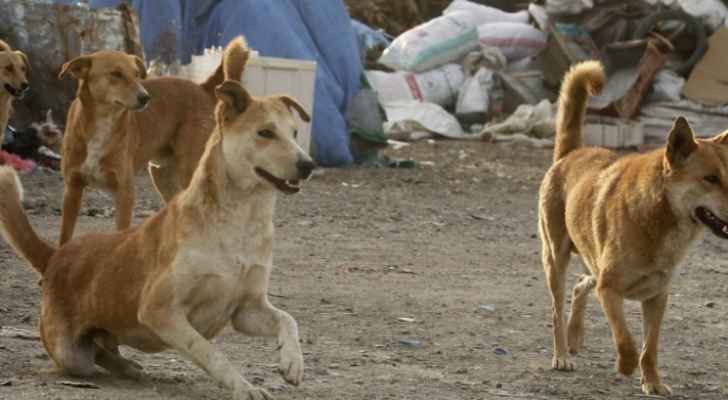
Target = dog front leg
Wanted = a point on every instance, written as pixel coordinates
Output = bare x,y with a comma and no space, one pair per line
124,204
259,318
176,331
613,306
72,193
653,310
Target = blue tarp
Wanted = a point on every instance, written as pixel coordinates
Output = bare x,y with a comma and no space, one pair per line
299,29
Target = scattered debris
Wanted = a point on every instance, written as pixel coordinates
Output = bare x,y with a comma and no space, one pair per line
405,319
411,343
82,385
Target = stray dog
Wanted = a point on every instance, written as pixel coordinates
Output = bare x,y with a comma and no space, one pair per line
180,277
109,138
632,220
14,68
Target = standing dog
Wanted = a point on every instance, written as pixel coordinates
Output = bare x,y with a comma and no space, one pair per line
14,68
632,219
109,138
181,276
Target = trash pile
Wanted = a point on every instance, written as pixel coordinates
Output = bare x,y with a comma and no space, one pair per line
491,70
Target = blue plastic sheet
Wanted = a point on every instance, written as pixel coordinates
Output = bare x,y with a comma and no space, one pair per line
299,29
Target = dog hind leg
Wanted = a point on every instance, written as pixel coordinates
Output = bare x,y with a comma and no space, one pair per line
164,179
579,298
556,254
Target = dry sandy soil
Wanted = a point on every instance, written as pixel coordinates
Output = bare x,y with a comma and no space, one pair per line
452,246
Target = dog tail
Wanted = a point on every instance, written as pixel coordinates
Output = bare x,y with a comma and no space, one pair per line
234,59
583,80
14,224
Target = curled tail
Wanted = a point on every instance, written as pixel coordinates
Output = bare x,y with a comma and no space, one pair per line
583,80
231,67
14,224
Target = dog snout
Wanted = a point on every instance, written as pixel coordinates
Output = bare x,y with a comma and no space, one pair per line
305,168
143,98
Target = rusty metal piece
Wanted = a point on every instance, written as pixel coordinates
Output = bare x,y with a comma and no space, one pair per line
652,61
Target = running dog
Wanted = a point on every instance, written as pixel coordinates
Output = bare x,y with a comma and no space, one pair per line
180,277
632,220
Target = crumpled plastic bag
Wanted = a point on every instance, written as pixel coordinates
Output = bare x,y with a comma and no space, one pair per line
568,6
713,13
412,120
667,86
535,121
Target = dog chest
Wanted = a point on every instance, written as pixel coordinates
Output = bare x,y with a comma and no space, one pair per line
95,150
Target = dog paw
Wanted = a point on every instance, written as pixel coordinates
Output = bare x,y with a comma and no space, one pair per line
575,339
291,366
252,394
562,364
659,389
627,363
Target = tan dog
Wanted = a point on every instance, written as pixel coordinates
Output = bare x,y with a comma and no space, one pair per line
632,220
177,279
14,68
108,138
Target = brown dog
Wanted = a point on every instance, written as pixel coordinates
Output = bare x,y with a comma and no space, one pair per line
632,220
179,278
14,68
109,138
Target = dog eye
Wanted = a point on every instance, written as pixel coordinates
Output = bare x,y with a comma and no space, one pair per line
117,74
712,179
295,134
267,134
9,68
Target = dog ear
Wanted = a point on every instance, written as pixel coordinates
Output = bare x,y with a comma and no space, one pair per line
25,60
234,96
681,142
291,103
78,67
142,68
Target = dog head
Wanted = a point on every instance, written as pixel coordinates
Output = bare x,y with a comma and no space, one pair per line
259,138
110,78
14,68
697,177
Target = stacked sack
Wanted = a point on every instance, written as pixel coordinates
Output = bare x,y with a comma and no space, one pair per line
428,58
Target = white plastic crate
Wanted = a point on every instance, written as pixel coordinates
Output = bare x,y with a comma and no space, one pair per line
613,133
266,76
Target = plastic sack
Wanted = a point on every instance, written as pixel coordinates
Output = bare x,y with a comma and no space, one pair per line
478,14
515,40
367,38
667,86
412,119
568,6
535,121
439,86
473,96
713,13
443,40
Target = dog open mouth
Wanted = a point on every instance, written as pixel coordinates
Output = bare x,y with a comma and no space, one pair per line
287,187
717,225
13,91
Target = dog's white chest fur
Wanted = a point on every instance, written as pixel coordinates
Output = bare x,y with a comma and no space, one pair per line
95,150
215,271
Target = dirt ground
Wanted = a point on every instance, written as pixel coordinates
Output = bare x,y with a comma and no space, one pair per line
452,246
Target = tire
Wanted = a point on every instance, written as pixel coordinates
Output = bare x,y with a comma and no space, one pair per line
694,26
